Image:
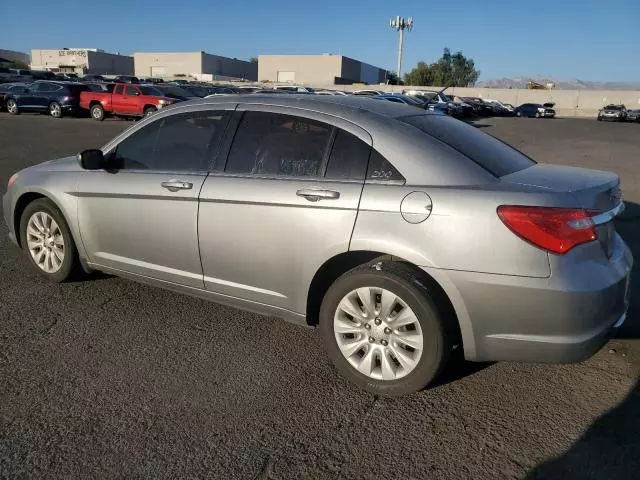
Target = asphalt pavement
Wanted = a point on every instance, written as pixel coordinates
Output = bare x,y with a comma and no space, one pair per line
106,378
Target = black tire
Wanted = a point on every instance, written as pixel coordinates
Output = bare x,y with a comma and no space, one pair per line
150,111
70,262
599,118
12,107
97,112
438,328
518,114
55,110
537,114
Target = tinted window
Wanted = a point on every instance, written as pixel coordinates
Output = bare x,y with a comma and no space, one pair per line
131,91
150,91
183,142
349,157
490,153
36,87
118,89
380,169
276,144
75,90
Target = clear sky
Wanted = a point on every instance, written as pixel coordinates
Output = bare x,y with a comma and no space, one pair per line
596,40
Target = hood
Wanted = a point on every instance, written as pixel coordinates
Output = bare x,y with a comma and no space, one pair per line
64,164
549,104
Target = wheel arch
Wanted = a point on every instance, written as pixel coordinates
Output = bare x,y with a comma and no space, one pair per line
445,297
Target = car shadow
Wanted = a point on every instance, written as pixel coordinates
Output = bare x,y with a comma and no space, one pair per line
610,448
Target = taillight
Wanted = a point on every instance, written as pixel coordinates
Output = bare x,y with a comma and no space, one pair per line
557,230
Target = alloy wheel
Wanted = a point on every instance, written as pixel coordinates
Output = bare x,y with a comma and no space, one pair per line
378,333
12,106
45,242
55,110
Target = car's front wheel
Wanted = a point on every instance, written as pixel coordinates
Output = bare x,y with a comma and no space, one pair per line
149,111
47,240
383,329
12,107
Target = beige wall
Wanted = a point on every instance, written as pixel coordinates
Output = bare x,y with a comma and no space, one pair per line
569,103
174,63
309,69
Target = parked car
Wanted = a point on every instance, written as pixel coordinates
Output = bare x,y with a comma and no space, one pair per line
179,82
42,75
196,90
478,106
100,86
93,78
152,80
67,77
56,98
213,91
174,91
544,277
330,92
126,100
446,103
500,108
368,92
633,115
7,88
617,113
397,98
125,79
294,89
536,110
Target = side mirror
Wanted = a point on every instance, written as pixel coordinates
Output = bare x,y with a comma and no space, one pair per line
137,93
92,160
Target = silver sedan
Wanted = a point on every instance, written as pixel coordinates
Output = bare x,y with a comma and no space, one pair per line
403,235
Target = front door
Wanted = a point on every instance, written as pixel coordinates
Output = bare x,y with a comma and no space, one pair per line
285,202
141,218
117,99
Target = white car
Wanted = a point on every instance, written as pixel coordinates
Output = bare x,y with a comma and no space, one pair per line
368,92
294,88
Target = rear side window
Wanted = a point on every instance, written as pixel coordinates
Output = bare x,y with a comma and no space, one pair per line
496,157
183,142
349,157
118,90
381,170
280,145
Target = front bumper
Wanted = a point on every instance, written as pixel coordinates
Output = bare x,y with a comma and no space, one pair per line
561,319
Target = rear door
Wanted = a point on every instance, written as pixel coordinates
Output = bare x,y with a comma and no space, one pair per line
284,203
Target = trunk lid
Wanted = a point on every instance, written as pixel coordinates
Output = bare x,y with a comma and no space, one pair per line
595,190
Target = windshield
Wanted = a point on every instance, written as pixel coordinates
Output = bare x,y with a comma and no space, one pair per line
446,98
147,90
613,107
496,157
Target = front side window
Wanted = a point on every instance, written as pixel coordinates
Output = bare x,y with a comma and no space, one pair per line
183,142
278,144
131,91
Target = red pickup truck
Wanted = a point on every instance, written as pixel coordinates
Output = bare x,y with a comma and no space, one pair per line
124,100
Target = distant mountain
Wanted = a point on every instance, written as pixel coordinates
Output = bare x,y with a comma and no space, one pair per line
521,82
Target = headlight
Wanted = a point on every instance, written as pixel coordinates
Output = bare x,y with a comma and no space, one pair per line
12,180
541,109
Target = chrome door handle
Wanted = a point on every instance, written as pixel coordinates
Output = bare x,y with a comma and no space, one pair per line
174,185
314,195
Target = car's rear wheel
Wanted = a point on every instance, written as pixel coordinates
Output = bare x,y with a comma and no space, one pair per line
47,241
599,118
149,111
518,114
55,110
12,107
383,329
97,112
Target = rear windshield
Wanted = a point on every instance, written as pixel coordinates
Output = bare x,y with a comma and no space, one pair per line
490,153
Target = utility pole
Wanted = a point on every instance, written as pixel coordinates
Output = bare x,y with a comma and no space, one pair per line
400,24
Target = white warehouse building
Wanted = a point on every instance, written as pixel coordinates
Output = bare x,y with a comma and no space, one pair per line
82,61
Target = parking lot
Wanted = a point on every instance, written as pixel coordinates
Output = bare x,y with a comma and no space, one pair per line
107,378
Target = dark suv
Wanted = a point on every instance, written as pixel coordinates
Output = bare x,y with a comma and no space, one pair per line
55,98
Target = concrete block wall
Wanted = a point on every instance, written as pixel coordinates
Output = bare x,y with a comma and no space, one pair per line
569,103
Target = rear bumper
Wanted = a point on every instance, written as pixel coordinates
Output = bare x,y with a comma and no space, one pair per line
561,319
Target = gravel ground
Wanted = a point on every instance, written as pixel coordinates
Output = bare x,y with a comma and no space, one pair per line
107,378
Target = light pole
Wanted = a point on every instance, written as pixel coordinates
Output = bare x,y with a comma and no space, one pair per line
400,24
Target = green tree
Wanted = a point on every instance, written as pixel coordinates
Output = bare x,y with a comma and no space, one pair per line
253,59
449,71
